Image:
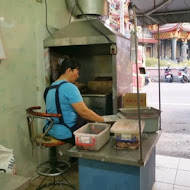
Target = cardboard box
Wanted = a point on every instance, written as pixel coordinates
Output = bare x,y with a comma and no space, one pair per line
130,100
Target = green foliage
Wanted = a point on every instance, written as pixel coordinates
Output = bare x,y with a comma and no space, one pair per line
153,62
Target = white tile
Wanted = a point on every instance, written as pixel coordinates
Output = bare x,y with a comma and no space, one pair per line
176,187
184,164
167,161
165,175
183,178
162,186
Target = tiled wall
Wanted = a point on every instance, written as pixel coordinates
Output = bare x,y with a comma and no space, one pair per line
22,77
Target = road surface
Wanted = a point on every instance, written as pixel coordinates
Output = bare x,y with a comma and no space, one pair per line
175,117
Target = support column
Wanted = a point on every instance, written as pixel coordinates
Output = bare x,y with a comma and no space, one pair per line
160,50
154,50
180,44
188,49
161,47
174,45
164,49
184,50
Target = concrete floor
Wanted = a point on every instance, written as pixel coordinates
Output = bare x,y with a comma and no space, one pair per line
172,173
71,176
12,182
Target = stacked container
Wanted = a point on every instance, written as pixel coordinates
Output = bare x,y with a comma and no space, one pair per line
126,132
92,136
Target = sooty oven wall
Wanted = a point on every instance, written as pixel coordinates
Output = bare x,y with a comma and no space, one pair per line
95,62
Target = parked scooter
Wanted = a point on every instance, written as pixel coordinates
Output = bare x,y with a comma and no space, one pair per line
147,79
168,74
182,75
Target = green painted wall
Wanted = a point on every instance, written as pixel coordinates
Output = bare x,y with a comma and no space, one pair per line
22,76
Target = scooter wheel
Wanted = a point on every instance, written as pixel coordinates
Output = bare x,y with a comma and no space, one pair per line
146,81
184,79
171,80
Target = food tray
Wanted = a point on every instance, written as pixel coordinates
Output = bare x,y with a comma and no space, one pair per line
127,145
150,115
92,136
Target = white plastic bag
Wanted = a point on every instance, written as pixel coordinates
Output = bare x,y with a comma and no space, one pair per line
7,160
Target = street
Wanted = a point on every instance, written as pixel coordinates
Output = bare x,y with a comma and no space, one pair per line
175,117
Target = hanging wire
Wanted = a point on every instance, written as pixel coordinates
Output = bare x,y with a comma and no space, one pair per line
109,40
72,13
143,36
46,18
137,69
159,86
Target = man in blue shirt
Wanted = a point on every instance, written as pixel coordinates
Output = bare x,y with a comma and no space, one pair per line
64,97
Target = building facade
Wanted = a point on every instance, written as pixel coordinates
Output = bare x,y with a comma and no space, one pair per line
174,41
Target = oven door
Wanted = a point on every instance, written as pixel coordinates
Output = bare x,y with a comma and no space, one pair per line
99,103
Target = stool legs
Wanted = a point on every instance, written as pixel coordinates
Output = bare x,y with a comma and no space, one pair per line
53,168
55,183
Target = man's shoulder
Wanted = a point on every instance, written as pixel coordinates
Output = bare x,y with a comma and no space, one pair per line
68,87
69,84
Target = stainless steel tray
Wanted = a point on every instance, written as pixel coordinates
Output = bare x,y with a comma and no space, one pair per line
145,112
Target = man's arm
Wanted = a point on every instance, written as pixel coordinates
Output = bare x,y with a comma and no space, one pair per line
86,113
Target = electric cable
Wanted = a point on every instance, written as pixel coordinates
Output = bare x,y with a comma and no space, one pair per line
46,19
109,40
72,13
159,78
133,19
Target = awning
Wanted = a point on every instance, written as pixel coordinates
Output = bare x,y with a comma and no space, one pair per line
162,11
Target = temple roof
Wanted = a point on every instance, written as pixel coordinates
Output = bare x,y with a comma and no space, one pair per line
185,27
170,27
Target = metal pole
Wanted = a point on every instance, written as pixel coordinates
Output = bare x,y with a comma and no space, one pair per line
159,91
137,69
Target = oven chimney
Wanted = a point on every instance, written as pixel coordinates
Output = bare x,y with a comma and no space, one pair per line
90,8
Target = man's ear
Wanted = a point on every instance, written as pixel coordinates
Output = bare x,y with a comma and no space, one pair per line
69,69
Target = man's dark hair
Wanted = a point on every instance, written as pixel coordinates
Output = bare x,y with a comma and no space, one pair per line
67,62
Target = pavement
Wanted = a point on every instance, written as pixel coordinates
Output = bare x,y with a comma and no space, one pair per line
175,117
172,173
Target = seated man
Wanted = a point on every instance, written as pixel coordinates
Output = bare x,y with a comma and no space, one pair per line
63,97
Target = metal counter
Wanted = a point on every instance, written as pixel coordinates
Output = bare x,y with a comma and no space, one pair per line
108,153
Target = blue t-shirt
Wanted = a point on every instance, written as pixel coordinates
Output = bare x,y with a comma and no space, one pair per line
68,94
